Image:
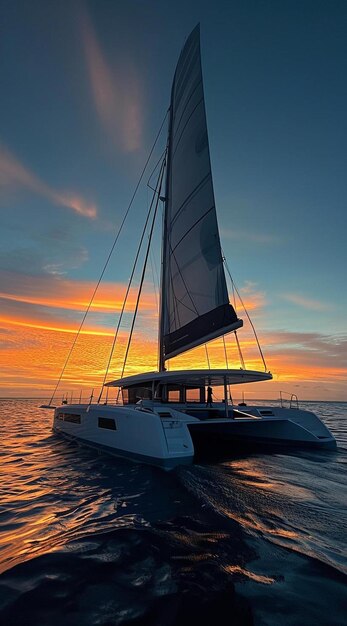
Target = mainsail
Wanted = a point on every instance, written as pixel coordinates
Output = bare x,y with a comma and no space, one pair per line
194,299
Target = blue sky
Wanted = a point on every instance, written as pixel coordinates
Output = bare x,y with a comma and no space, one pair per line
85,86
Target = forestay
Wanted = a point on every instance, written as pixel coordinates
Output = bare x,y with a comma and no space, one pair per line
195,306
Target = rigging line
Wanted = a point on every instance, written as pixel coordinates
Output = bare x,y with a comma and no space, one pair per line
155,287
248,317
225,353
108,258
207,357
227,363
234,296
175,300
154,281
160,180
126,295
155,167
156,275
239,349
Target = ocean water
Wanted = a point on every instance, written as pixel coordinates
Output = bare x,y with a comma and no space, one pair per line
89,539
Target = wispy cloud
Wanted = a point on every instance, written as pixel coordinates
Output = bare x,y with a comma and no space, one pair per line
56,292
252,298
15,175
116,93
248,236
51,259
307,303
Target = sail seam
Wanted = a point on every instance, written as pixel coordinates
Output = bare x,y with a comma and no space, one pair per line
192,228
184,73
185,126
186,105
185,286
196,189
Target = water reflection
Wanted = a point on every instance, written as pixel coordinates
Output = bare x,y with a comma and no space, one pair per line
112,536
286,499
246,573
53,492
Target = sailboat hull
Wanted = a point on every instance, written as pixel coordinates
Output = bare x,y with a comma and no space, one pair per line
264,427
131,433
167,436
266,434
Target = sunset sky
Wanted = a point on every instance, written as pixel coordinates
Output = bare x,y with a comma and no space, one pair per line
85,88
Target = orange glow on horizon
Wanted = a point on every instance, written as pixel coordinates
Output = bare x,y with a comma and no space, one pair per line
36,339
34,356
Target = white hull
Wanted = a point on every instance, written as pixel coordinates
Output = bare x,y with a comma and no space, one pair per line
138,435
163,435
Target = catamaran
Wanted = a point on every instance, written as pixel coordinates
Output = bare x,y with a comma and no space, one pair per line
165,415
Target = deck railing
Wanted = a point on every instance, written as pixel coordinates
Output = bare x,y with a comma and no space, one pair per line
292,400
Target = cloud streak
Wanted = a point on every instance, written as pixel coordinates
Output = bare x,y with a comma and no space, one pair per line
55,292
248,236
15,175
116,93
307,303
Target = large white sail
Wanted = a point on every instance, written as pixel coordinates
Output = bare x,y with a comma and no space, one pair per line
195,306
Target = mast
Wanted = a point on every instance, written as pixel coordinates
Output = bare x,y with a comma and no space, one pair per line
162,293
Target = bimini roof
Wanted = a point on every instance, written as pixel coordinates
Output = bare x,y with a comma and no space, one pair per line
214,378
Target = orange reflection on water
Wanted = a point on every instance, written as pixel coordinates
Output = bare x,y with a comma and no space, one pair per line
259,578
254,523
248,476
253,471
195,558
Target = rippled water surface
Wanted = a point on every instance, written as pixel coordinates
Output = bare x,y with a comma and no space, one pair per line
89,539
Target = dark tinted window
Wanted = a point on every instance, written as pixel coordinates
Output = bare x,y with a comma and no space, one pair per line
106,422
195,394
174,393
133,394
70,417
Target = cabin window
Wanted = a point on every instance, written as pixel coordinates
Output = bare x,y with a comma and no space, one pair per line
174,393
70,417
107,422
158,393
133,394
195,394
